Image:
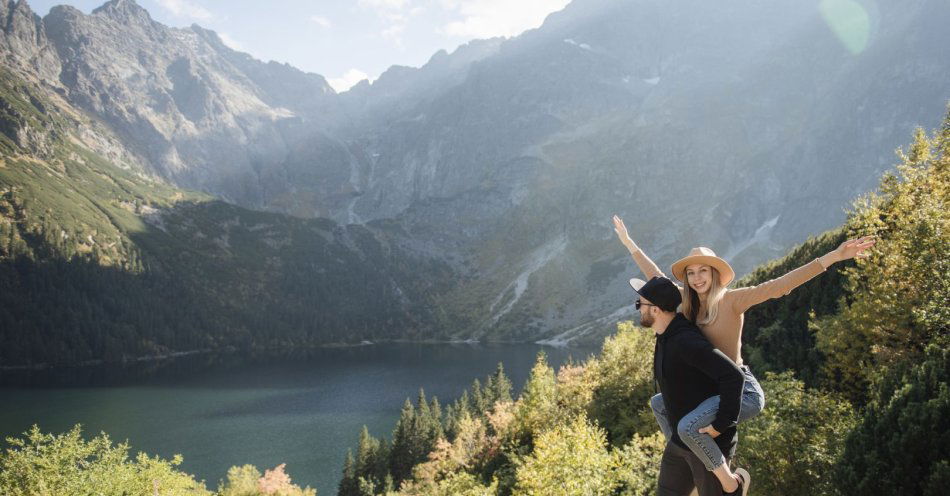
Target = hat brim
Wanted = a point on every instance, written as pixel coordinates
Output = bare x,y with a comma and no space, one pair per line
636,284
725,270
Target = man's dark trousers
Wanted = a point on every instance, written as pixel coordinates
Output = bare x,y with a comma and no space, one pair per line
681,471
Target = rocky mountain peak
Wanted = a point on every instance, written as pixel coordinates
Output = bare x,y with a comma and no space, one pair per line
23,40
124,11
210,36
17,13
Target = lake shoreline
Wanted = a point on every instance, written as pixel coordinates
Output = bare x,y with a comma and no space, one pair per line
233,349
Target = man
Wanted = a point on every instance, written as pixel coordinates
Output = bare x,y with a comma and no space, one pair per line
688,370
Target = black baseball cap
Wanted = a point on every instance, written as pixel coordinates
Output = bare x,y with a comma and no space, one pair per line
660,291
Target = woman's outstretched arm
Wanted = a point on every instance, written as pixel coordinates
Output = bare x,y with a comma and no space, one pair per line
646,265
744,298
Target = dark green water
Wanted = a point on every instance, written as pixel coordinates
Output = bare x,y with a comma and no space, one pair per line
304,409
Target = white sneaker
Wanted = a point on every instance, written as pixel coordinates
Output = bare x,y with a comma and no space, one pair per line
745,480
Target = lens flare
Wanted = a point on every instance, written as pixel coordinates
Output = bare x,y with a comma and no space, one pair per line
849,21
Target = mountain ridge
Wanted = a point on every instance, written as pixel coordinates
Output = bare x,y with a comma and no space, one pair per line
505,159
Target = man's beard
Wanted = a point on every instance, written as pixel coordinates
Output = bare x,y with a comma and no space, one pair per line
646,320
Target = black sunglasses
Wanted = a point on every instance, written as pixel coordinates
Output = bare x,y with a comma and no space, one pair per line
639,304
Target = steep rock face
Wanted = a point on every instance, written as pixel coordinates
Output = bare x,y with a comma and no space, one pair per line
194,111
24,43
400,88
278,85
740,127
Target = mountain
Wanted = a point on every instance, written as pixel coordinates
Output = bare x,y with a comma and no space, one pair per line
744,127
747,126
104,262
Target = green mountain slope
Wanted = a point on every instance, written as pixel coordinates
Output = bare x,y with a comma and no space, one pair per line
98,261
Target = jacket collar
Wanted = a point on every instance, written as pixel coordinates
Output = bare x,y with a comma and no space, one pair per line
677,325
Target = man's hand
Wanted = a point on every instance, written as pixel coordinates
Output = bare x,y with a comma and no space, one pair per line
710,430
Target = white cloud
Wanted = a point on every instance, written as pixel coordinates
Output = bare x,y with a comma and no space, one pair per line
384,4
395,14
230,42
321,21
394,32
347,80
186,8
488,18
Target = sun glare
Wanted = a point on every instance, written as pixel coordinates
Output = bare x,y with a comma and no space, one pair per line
849,21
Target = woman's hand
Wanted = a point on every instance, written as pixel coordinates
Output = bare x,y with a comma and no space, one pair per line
621,231
709,429
852,248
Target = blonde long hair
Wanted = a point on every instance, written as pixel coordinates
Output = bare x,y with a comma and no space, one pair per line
691,301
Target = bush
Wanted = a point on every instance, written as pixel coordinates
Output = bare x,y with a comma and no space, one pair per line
638,464
242,481
53,465
569,459
793,445
621,382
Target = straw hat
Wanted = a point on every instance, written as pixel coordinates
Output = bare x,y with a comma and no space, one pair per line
703,255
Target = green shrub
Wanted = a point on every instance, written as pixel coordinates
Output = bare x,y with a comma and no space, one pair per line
621,379
54,465
793,445
638,464
568,459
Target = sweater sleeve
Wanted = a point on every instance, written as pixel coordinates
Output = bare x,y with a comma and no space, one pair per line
725,373
744,298
650,269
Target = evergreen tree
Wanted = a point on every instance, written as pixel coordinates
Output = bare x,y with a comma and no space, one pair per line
348,484
479,404
423,430
436,412
538,406
449,424
501,385
401,455
900,446
367,457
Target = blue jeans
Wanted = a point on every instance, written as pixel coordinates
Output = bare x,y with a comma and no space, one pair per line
702,444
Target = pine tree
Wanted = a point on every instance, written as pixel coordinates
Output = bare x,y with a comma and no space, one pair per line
537,410
381,467
501,385
401,454
367,456
479,402
348,484
900,447
943,136
436,411
449,425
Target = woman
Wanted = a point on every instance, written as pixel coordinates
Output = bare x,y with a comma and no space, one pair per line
719,312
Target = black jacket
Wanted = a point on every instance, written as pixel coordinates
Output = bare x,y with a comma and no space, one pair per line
688,371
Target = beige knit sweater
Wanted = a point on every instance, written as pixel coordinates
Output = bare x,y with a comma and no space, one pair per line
725,333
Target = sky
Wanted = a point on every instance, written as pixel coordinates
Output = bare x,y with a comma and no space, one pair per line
343,40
